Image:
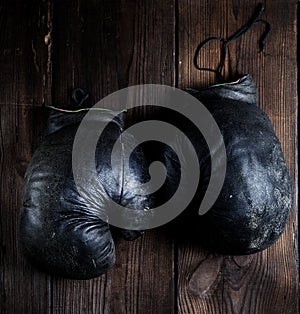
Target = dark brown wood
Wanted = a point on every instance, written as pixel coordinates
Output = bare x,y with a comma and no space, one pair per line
106,45
266,282
24,89
103,46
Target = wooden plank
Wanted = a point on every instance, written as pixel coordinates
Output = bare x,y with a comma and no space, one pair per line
103,46
24,88
266,282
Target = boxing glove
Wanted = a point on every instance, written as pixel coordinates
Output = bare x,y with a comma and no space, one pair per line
252,208
62,231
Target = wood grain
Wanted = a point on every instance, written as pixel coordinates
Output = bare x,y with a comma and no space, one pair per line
24,90
266,282
46,50
103,46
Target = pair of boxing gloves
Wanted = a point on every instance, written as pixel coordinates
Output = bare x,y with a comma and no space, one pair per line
64,234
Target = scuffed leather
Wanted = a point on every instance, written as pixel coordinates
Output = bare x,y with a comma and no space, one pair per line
61,232
252,209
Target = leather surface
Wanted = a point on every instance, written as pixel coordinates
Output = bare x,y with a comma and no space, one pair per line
252,209
63,234
61,231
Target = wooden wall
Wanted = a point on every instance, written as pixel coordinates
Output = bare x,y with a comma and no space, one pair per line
48,48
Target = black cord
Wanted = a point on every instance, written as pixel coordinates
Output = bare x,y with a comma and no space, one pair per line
225,41
79,96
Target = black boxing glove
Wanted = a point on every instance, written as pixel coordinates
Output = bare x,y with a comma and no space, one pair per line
61,231
252,209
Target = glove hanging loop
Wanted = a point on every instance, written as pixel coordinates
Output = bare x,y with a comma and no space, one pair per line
79,96
225,41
